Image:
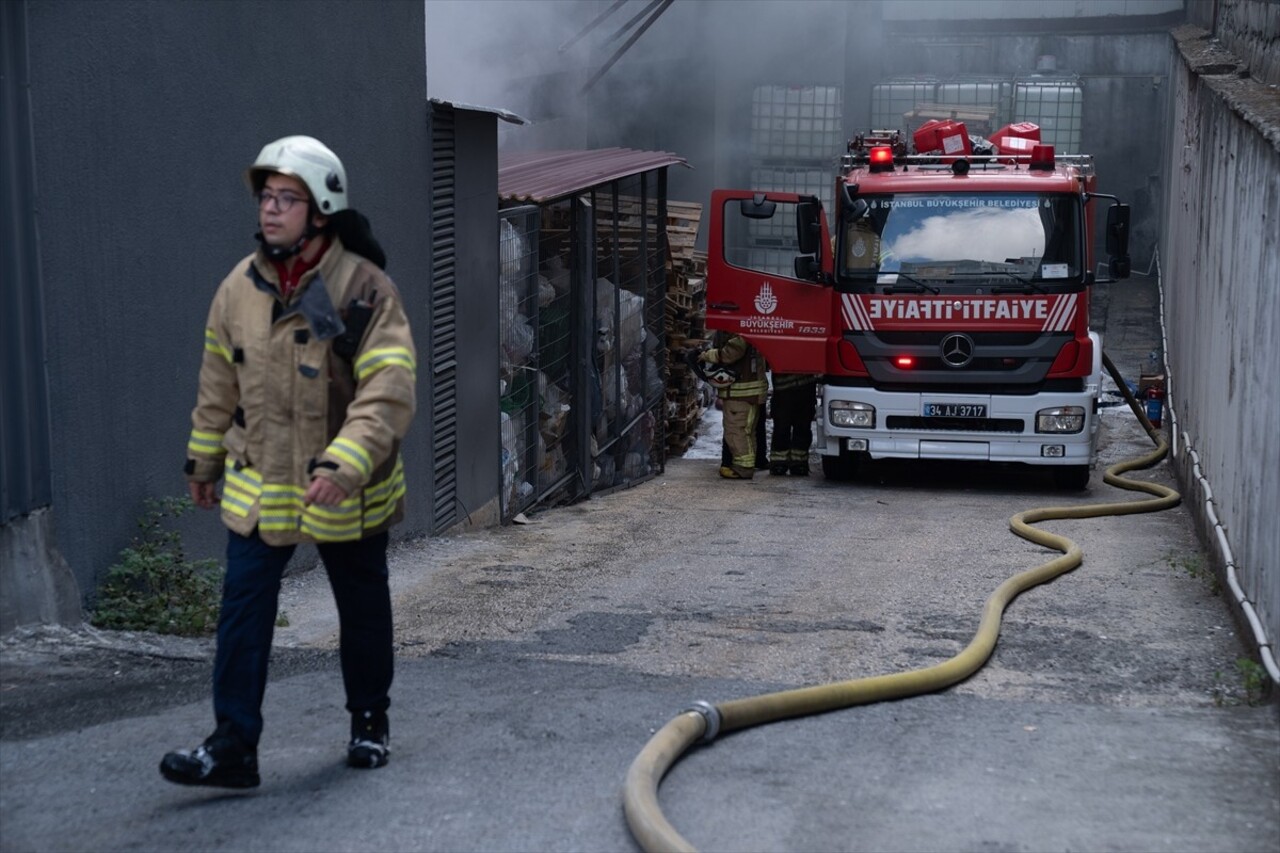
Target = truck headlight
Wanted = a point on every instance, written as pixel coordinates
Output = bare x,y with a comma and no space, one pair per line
1060,419
845,413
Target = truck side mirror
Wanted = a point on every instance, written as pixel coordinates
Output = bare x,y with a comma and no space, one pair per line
1118,240
757,208
808,226
807,268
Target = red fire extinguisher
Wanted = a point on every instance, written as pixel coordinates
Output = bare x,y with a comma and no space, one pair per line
1155,405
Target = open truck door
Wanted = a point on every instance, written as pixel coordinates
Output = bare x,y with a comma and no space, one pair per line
769,276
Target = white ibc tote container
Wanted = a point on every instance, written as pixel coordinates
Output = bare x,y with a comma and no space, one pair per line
892,98
796,123
1054,103
992,94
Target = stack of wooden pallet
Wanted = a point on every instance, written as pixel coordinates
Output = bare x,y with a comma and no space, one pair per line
686,330
682,229
635,228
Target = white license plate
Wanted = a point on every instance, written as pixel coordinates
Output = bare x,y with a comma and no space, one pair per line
954,410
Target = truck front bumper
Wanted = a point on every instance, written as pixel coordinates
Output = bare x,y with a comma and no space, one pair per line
1007,433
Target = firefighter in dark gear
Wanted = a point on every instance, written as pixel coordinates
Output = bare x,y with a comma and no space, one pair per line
741,401
306,389
792,408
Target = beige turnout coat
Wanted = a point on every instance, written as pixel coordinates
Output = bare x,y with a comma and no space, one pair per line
277,405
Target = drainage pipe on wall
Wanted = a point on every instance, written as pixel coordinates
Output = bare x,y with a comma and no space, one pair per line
1266,651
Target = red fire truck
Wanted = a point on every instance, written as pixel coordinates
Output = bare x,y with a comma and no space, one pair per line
944,303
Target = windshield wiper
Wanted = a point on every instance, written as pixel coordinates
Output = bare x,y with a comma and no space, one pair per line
1028,286
919,285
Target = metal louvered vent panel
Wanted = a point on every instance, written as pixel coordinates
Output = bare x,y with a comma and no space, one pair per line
444,403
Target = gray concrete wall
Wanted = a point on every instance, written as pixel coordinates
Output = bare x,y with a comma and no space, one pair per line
1248,28
1220,249
144,118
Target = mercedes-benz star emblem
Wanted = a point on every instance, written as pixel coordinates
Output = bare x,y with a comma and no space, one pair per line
957,350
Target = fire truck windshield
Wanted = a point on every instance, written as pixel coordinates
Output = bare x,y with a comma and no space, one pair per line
965,238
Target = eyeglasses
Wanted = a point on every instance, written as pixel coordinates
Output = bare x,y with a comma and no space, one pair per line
283,201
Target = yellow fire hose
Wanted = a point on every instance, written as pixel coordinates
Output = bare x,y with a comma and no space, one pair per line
703,722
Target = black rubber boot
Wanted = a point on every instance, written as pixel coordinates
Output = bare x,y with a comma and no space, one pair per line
222,761
370,739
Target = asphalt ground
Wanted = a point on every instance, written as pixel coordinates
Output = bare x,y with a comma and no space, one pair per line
534,662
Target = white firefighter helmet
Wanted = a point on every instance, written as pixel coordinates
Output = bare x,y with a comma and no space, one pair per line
310,161
716,375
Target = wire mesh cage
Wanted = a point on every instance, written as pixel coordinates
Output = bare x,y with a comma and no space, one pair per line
582,304
628,314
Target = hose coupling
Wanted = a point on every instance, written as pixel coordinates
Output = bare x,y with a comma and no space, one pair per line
711,720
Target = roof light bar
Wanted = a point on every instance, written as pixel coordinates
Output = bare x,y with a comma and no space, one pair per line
881,158
1042,157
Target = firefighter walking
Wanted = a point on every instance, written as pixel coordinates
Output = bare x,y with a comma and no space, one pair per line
740,401
306,389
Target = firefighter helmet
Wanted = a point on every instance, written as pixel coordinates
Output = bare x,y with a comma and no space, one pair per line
310,161
716,375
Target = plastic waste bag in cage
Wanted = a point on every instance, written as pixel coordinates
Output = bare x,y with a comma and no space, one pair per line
511,457
546,293
557,274
518,340
513,253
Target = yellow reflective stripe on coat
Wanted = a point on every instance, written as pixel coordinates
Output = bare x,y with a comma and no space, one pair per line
281,507
334,523
747,389
206,443
350,452
241,491
380,500
783,381
213,345
376,359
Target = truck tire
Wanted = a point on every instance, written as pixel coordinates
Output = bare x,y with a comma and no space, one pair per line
840,468
1071,478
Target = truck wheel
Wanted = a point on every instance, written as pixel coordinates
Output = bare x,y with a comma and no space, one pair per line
1071,478
840,468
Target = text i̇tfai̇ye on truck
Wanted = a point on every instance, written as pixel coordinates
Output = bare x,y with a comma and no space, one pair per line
945,307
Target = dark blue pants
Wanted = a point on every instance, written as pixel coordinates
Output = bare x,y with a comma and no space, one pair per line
793,410
250,598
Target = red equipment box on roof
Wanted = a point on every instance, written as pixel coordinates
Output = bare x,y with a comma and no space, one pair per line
942,136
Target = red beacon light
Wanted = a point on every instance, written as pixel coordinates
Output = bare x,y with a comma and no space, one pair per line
1042,157
904,362
881,158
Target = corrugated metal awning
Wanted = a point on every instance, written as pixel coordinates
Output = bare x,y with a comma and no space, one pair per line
538,176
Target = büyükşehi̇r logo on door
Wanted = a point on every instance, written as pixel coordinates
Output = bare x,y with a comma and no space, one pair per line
766,302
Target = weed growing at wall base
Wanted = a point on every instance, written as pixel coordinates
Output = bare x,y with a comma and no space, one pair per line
154,587
1254,680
